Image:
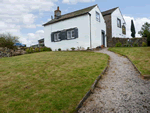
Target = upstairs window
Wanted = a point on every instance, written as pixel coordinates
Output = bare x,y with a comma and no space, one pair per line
118,22
97,16
57,37
70,34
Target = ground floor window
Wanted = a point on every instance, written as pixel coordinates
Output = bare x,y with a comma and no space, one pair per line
70,34
57,37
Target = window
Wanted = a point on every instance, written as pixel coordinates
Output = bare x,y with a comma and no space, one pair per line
118,22
70,34
97,16
57,37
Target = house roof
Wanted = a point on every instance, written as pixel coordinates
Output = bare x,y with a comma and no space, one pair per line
108,12
71,15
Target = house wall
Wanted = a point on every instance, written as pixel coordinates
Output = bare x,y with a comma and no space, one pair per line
97,27
83,40
108,29
116,31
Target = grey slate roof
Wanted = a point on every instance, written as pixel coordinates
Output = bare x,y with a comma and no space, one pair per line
108,12
71,15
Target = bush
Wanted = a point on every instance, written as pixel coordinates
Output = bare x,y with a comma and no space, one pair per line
72,48
59,49
118,44
47,49
135,45
88,48
7,40
41,49
144,44
29,50
127,45
36,49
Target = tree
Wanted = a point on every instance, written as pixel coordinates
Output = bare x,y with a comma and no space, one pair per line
133,32
145,30
7,40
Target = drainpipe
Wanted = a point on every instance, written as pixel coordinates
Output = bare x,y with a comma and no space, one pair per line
90,32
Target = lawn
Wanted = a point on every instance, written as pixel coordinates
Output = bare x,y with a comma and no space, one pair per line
47,81
140,56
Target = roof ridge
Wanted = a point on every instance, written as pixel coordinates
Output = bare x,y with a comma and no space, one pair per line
81,9
111,9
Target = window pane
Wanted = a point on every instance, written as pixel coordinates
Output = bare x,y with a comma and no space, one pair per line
72,33
68,34
58,36
97,16
55,37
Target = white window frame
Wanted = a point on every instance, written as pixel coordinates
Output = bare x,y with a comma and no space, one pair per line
70,36
56,37
97,16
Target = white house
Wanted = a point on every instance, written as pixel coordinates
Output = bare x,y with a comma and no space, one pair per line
116,25
82,28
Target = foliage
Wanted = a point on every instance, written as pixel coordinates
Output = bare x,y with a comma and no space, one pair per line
7,40
144,44
59,49
145,30
88,48
29,50
48,82
118,44
37,49
47,49
135,45
133,32
72,48
140,56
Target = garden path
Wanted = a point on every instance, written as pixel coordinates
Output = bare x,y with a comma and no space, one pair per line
121,90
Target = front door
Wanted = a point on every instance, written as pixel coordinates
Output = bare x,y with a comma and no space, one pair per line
103,37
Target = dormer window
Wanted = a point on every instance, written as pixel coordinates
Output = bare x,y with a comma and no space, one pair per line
97,16
118,22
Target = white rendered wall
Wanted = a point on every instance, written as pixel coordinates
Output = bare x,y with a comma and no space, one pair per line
97,27
83,40
116,31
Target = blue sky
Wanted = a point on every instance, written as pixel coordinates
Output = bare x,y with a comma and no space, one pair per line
24,18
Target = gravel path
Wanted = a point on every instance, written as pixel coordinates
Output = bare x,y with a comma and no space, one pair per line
120,91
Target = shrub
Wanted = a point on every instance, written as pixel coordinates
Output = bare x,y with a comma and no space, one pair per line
36,49
59,49
41,49
144,44
47,49
31,50
127,45
28,50
7,40
72,48
118,44
135,45
88,48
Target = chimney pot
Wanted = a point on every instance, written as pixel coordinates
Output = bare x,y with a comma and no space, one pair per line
58,8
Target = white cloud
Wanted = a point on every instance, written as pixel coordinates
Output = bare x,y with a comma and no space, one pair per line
32,38
18,14
138,22
76,1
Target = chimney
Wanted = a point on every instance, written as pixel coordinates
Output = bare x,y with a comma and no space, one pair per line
57,13
51,17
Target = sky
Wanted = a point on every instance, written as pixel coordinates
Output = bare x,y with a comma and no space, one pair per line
24,18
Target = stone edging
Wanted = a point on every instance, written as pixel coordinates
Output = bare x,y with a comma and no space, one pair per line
92,87
144,77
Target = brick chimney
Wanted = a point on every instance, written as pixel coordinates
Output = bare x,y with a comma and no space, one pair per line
57,13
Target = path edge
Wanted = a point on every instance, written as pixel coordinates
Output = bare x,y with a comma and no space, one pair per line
92,87
144,77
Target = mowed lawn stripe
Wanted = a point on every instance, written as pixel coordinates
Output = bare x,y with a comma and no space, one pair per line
48,81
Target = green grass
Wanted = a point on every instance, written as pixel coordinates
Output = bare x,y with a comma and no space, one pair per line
47,81
140,56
